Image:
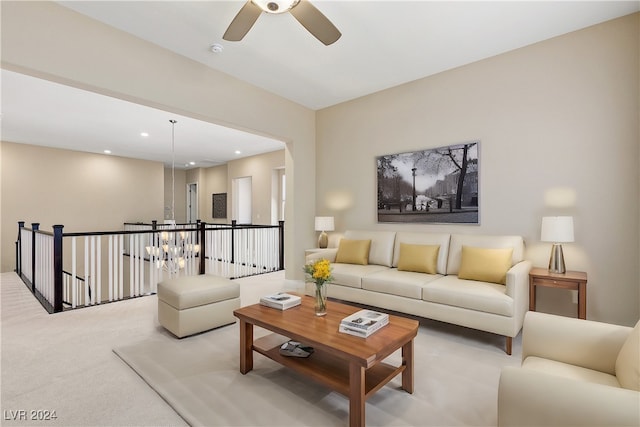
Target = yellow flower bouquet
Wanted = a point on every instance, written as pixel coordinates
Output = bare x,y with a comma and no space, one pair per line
319,272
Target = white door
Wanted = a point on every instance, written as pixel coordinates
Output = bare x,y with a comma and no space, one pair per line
242,200
192,202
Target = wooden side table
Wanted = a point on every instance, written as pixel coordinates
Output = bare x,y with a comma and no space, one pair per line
573,280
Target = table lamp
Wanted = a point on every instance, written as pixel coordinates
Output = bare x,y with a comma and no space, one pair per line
324,224
557,230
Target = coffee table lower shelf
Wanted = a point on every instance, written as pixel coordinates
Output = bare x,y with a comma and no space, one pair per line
326,368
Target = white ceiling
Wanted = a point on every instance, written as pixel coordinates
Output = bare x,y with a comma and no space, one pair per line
383,44
40,112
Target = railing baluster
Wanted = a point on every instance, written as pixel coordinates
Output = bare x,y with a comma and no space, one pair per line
98,269
93,270
131,269
135,273
85,295
140,259
151,254
34,279
25,253
121,264
74,272
116,267
110,269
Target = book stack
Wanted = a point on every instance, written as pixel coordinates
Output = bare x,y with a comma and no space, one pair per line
363,323
280,301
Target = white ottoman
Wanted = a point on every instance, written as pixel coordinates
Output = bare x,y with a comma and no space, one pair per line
191,304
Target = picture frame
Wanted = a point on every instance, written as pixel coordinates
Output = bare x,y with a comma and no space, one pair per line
219,205
435,185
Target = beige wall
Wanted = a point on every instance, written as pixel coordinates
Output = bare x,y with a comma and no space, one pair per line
89,55
215,181
558,114
83,192
261,169
218,179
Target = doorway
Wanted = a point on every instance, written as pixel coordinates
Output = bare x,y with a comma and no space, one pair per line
278,195
192,202
242,200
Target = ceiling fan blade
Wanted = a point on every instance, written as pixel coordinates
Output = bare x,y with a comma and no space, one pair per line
315,22
243,22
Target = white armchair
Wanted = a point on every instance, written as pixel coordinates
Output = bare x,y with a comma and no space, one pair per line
574,373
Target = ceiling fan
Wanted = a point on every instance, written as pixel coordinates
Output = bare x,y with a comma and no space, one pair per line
306,13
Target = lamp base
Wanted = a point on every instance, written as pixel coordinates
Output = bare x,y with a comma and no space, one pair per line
323,240
556,260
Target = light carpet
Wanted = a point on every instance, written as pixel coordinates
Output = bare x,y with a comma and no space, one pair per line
456,382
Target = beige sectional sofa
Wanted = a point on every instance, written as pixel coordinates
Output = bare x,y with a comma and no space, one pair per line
439,294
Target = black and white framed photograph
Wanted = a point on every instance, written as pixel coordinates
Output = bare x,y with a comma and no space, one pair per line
219,207
436,185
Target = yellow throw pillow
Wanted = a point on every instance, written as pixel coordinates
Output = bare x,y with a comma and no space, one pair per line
485,264
418,258
353,251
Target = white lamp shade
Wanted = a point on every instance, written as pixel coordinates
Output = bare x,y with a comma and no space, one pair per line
557,229
324,223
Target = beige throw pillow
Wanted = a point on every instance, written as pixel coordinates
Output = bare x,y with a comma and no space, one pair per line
418,258
485,264
353,251
628,361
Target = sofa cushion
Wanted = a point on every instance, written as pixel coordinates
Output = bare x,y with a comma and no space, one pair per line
628,361
419,238
381,251
352,274
418,258
471,294
485,264
402,283
567,370
480,241
353,251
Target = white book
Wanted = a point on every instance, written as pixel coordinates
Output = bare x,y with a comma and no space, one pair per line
280,301
366,319
363,323
359,332
352,331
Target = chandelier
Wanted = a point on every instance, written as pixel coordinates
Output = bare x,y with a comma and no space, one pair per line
171,249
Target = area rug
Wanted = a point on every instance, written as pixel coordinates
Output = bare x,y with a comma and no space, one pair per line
456,382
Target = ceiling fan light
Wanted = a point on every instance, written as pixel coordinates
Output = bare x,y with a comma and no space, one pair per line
275,6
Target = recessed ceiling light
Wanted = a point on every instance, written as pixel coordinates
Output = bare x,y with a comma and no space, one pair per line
192,163
238,152
144,134
107,151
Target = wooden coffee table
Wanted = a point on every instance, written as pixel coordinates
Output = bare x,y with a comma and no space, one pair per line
352,366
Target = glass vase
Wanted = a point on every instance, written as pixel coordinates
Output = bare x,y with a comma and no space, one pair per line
321,299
